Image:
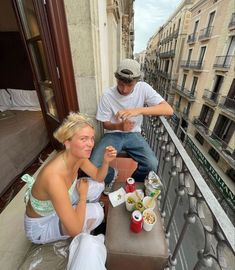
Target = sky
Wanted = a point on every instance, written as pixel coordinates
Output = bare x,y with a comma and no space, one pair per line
149,16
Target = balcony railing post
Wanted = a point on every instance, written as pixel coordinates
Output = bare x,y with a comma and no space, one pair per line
177,166
180,192
189,219
170,151
204,257
163,149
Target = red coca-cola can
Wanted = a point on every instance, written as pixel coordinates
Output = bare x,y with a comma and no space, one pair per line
136,221
130,184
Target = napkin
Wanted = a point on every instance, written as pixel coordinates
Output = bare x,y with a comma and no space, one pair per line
117,197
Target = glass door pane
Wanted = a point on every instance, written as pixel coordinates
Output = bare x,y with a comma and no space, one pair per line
38,57
28,17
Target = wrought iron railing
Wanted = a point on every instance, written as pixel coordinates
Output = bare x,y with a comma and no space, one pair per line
223,61
192,38
192,64
200,234
205,33
211,96
190,94
228,104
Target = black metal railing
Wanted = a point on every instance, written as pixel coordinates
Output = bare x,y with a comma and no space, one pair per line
223,61
227,104
205,33
192,38
187,93
192,64
200,234
211,96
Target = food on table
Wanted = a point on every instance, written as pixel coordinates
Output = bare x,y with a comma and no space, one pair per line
149,218
130,200
139,206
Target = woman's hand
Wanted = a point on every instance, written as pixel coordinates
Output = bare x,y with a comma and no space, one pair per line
110,153
82,188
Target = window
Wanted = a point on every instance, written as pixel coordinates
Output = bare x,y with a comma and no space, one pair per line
230,52
211,19
199,138
194,84
195,28
189,55
214,154
202,54
217,86
224,128
184,81
206,115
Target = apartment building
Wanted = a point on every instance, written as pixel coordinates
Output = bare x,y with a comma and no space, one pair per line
164,51
205,92
201,82
140,57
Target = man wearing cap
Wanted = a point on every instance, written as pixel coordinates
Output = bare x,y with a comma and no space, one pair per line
121,111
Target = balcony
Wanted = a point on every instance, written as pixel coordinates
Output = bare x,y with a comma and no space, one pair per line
192,64
185,64
191,96
232,22
221,146
165,74
199,231
167,54
192,38
205,33
185,113
228,106
211,97
223,62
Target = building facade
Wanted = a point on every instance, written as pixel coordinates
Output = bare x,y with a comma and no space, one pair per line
101,34
199,80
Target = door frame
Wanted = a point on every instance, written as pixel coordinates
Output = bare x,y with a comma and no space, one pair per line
52,23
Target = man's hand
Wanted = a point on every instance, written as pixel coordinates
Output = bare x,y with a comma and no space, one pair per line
127,125
127,113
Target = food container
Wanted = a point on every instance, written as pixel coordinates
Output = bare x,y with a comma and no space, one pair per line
149,203
149,219
130,184
130,200
152,184
136,221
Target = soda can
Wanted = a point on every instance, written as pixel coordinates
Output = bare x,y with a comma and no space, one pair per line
136,221
130,184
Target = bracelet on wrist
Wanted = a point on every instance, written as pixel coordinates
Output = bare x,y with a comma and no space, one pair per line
82,200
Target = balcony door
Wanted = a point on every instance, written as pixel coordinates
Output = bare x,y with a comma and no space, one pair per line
43,29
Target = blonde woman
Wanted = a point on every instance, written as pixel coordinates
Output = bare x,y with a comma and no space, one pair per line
58,205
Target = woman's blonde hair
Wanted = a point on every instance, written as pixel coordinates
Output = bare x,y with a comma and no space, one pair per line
71,124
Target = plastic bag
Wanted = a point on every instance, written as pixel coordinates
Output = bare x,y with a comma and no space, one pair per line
152,184
87,252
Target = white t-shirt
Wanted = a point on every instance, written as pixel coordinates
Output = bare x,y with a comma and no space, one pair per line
112,101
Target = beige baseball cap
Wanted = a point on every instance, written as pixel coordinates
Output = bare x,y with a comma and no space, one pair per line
129,68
